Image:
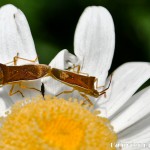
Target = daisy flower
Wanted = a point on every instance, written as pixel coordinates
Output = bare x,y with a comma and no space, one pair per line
61,124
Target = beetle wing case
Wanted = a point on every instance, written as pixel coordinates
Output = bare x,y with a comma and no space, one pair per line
73,78
24,72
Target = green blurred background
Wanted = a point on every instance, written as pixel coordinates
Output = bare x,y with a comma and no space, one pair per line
53,24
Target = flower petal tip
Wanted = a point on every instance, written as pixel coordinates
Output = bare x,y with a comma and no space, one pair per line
9,8
15,35
95,32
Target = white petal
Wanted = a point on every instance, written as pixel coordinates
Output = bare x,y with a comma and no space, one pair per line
94,42
5,101
63,60
15,35
138,109
125,82
137,133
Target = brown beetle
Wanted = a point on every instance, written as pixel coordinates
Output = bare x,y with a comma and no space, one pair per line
84,84
16,75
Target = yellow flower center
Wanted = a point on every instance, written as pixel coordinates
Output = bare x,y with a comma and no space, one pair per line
55,124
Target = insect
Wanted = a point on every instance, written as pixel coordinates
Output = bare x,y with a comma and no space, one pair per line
83,83
17,75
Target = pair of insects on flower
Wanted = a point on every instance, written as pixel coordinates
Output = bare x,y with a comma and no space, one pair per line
83,83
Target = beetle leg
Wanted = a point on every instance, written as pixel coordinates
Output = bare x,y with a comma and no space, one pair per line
12,93
77,70
15,59
104,91
86,99
73,68
32,88
96,81
65,92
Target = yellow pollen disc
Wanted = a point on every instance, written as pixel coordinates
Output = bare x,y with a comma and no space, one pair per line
55,124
